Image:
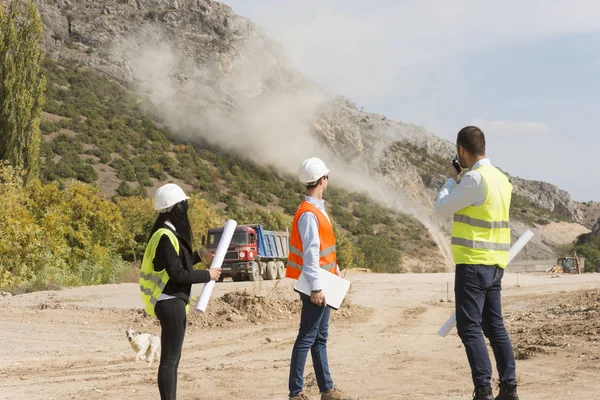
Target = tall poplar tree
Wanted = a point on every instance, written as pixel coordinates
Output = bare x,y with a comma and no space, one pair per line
22,85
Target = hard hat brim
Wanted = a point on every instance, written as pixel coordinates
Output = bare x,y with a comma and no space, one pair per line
314,180
170,206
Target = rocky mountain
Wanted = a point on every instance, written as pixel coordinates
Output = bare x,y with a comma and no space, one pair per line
215,75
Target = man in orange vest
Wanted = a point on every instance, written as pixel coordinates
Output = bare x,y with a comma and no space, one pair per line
312,249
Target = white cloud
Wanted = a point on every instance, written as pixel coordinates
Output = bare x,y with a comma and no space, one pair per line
512,128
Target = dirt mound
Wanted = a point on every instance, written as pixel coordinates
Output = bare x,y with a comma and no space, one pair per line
558,321
255,306
242,307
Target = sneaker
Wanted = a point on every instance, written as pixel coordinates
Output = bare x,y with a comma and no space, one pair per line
300,396
336,394
508,391
483,393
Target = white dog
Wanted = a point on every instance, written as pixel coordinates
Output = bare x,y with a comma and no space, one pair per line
144,344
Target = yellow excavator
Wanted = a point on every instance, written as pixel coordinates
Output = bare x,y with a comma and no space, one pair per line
567,265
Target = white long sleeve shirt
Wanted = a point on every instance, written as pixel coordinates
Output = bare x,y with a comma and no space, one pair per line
472,190
308,228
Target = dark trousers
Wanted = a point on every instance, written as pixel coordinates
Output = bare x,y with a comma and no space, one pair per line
172,317
314,330
479,309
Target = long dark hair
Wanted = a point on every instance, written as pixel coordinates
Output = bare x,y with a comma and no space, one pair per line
178,216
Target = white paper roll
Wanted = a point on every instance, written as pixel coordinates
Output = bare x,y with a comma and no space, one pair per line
514,250
448,326
519,244
217,262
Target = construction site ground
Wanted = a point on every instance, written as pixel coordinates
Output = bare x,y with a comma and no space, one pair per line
71,344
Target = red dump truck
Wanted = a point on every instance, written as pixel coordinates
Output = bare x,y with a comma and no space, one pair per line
253,253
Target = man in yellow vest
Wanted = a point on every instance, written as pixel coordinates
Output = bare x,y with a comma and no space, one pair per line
480,203
312,252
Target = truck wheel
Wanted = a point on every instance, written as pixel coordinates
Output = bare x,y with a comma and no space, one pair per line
254,275
280,269
271,270
236,278
221,278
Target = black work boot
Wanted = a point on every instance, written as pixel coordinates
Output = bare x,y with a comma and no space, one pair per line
483,393
508,391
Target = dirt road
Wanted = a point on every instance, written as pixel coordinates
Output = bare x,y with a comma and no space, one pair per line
71,344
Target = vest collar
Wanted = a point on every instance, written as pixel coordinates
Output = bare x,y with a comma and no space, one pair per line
320,204
481,163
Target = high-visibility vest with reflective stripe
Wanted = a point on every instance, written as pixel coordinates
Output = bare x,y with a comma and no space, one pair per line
481,234
327,253
153,282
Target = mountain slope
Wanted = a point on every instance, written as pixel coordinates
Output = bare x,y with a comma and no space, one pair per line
97,131
215,78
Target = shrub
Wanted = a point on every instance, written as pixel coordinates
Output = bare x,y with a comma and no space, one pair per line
57,234
124,169
380,254
125,189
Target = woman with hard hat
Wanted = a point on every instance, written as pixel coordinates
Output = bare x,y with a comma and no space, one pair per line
166,279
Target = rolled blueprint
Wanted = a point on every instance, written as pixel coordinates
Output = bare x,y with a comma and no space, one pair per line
514,250
217,262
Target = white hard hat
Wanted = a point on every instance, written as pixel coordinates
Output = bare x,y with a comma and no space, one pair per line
312,170
167,196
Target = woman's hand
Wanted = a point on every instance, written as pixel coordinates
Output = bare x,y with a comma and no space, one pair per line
215,274
207,256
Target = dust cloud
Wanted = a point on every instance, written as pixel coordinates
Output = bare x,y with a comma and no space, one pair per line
253,102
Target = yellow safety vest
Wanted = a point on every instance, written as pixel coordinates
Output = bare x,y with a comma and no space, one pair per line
481,234
153,282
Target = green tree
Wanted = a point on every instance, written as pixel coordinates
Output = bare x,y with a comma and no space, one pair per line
139,216
22,85
588,246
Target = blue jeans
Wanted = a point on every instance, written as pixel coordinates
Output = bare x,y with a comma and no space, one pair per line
314,327
479,308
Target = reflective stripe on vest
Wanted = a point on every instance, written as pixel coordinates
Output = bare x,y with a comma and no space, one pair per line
473,244
327,248
481,234
480,223
323,253
153,282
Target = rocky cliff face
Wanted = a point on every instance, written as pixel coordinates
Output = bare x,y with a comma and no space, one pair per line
214,73
591,235
549,197
596,228
590,211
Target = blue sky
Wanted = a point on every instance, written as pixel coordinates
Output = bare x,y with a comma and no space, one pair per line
527,72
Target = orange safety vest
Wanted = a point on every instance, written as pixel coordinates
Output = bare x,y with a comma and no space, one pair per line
328,258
